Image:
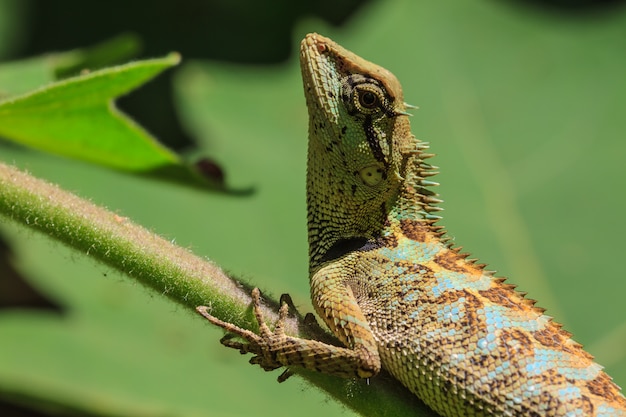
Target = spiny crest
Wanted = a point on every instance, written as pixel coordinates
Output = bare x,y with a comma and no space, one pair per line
416,197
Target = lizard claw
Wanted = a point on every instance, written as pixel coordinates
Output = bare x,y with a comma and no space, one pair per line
261,345
228,341
286,374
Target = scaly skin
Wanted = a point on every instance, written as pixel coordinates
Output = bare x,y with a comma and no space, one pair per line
392,290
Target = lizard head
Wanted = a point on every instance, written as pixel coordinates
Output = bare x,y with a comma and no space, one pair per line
359,139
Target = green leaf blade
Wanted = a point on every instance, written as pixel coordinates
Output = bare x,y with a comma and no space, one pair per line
76,118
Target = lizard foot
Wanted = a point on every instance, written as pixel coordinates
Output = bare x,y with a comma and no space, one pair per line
264,345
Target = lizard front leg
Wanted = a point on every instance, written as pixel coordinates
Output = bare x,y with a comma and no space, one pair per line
274,349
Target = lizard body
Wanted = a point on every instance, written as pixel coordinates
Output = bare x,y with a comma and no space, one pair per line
387,284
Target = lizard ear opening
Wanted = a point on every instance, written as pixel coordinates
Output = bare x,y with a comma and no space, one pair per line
372,175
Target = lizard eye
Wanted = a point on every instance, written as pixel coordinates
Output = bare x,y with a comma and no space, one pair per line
364,95
368,98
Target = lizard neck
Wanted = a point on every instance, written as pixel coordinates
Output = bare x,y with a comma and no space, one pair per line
336,228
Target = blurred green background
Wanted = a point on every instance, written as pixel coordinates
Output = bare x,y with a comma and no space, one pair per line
522,102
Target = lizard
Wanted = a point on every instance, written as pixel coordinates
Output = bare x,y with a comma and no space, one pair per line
388,283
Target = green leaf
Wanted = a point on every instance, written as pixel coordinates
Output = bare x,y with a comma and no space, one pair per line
76,118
